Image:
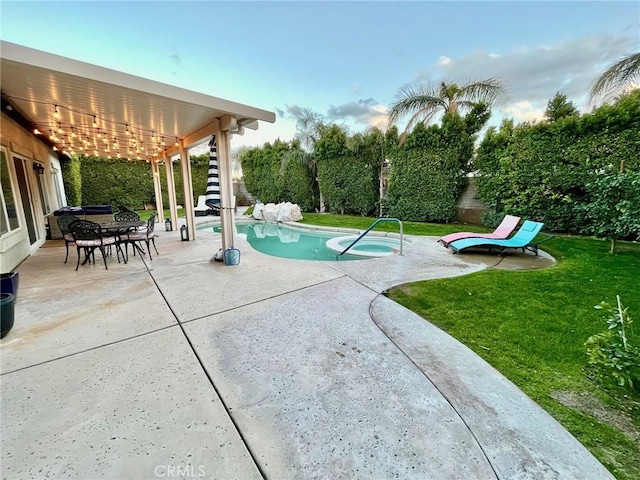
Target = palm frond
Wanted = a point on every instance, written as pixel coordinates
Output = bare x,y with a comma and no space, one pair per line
492,91
621,76
410,101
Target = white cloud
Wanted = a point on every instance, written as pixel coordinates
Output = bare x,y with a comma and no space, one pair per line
524,112
535,74
444,61
366,112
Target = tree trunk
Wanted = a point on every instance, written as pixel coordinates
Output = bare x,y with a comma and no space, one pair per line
613,246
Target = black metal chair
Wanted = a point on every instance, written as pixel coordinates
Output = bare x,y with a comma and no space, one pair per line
89,236
135,238
64,221
126,216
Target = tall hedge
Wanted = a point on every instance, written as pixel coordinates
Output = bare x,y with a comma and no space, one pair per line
261,168
72,179
348,177
541,171
429,169
116,181
297,185
93,180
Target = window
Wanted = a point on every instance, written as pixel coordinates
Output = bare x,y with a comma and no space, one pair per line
8,215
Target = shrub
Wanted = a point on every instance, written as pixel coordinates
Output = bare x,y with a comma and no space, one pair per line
614,354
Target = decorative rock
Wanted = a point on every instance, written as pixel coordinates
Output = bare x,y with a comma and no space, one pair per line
282,212
270,213
257,211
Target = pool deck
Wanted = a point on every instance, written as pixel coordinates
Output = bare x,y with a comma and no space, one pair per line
182,367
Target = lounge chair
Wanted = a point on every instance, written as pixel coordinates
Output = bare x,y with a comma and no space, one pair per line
506,228
215,205
522,239
202,209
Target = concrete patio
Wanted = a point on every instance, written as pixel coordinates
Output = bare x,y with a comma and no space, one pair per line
181,367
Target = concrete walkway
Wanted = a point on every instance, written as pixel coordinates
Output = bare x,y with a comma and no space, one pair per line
180,367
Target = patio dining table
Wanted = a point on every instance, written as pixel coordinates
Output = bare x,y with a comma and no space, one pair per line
121,228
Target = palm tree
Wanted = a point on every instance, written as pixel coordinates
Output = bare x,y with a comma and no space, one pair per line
620,77
428,100
310,126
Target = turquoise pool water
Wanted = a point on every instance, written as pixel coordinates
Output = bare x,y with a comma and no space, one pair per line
282,241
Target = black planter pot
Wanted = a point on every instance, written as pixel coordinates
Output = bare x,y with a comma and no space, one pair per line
7,301
9,283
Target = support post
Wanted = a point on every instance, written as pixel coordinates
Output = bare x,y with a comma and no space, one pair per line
227,216
188,191
171,190
157,189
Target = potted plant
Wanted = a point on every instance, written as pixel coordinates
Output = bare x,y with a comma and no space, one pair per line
7,301
9,283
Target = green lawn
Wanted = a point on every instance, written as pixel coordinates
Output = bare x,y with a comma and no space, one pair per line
532,326
145,214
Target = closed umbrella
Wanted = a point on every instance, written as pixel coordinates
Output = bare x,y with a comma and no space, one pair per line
213,181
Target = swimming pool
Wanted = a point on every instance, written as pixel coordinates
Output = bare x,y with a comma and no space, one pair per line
285,241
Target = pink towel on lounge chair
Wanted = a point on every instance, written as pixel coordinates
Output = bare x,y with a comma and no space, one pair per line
506,227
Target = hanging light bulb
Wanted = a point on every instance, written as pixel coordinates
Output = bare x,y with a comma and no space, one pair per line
60,128
55,149
52,137
56,113
176,144
126,130
73,134
95,122
36,132
162,143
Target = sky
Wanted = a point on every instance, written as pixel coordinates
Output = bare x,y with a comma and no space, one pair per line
344,60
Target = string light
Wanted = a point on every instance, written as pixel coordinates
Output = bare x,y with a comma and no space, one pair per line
144,142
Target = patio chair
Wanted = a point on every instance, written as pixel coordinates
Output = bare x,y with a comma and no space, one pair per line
522,239
64,221
135,238
506,228
202,209
126,216
215,206
89,236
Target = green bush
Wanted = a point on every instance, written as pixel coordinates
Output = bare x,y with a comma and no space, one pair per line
348,180
429,169
261,168
615,353
541,171
115,181
72,179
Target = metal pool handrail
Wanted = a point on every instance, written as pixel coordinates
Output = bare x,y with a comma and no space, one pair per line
371,227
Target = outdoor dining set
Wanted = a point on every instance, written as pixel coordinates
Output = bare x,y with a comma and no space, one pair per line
125,229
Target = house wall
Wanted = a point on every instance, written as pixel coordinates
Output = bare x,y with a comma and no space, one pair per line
15,245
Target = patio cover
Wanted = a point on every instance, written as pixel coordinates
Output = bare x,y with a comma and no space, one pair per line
52,91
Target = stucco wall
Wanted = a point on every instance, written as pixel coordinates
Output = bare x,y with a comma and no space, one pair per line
15,245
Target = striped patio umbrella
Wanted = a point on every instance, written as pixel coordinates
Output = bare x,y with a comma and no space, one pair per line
213,181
